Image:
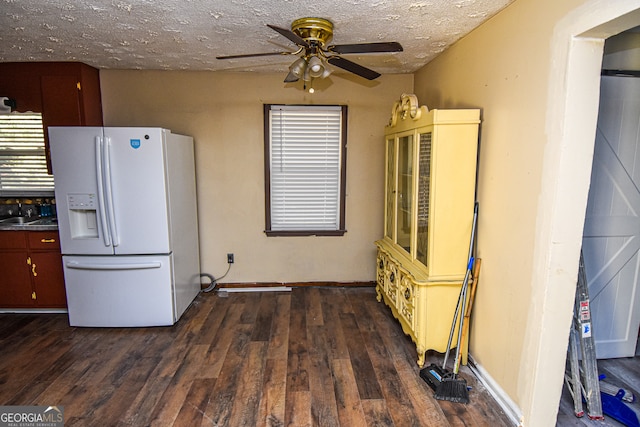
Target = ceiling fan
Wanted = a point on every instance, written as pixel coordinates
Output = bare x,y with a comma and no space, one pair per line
312,35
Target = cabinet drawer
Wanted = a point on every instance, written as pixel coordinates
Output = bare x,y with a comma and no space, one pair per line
44,240
407,300
13,240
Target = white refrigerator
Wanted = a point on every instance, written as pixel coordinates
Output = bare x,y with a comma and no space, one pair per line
126,206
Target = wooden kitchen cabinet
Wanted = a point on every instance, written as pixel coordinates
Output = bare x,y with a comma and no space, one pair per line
66,93
429,203
32,274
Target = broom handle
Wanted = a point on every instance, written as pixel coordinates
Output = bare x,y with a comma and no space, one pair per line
473,234
453,327
463,294
465,285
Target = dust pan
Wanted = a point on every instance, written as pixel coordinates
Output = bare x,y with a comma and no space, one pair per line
433,375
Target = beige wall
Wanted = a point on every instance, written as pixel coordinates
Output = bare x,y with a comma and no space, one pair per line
223,112
535,159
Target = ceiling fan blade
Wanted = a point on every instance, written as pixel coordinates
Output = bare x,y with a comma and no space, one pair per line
249,55
290,35
366,47
354,68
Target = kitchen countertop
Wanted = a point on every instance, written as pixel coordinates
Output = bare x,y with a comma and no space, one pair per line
43,224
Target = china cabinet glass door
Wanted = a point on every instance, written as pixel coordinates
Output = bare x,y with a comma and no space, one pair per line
405,192
390,191
424,179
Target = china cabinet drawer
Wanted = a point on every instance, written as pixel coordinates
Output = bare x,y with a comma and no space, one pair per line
407,301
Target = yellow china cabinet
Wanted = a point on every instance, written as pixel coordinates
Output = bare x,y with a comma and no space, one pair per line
429,201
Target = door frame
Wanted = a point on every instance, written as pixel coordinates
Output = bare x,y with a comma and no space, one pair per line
570,124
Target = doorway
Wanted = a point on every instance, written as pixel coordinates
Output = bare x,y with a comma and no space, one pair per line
611,239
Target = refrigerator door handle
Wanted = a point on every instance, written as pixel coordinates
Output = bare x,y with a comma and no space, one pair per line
109,192
106,234
116,266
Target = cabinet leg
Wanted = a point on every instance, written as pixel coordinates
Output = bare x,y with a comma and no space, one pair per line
378,294
421,356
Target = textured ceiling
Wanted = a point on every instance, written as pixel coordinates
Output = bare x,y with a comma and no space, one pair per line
189,34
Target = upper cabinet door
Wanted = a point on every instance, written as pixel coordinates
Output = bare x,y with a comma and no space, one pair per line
60,101
60,105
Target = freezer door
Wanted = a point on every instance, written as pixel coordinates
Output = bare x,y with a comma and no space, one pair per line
117,291
76,162
137,181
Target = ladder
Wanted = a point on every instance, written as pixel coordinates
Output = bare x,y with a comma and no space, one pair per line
582,378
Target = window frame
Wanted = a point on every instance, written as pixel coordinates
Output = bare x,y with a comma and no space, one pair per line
341,230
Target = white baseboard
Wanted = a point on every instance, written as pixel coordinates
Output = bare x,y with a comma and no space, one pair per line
33,310
256,289
508,406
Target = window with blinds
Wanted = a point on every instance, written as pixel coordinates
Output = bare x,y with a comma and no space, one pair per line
23,165
305,159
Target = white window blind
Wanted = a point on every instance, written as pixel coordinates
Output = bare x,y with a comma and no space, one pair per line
23,165
305,167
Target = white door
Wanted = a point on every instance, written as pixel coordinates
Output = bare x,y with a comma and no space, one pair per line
81,215
138,183
611,241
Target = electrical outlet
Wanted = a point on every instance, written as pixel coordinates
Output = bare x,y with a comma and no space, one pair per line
229,258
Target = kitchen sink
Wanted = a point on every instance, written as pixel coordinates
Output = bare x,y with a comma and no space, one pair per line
44,221
19,220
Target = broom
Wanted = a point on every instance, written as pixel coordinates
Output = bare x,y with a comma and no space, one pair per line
434,374
451,387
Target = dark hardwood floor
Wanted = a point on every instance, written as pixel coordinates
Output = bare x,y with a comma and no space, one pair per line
309,357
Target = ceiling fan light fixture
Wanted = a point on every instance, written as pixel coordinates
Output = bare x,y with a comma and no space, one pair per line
315,64
326,71
298,67
318,68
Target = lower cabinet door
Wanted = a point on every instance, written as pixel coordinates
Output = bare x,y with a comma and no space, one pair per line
48,278
15,283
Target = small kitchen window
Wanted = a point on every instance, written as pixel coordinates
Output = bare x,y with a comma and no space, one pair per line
23,164
305,169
